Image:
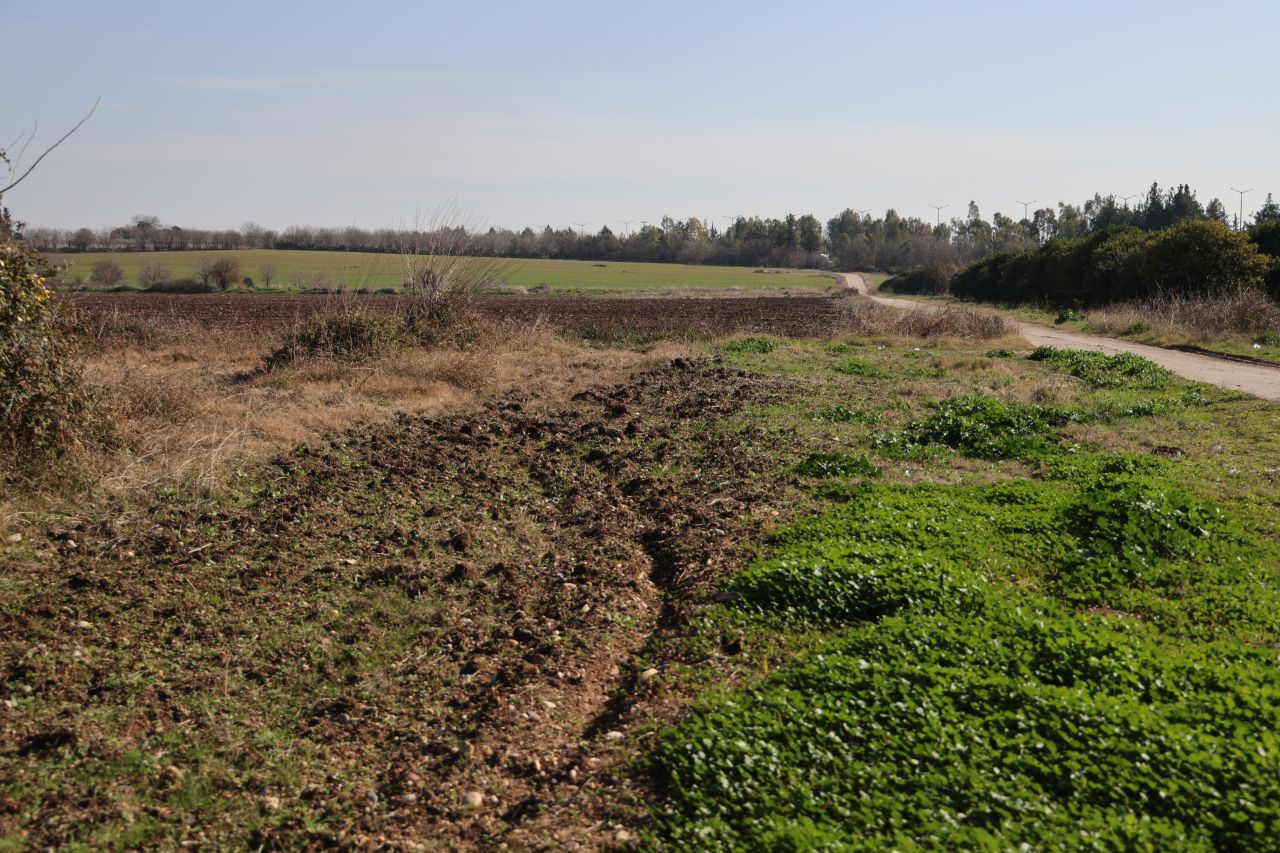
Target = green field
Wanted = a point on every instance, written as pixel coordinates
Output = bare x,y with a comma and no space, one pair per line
300,270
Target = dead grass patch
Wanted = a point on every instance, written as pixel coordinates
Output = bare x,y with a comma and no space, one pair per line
863,317
1244,315
189,405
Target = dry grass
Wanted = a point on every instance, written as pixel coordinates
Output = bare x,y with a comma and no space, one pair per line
187,405
1244,316
863,317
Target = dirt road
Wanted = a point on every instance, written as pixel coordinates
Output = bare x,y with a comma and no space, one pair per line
1256,379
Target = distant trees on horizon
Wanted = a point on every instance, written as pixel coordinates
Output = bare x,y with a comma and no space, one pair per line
849,240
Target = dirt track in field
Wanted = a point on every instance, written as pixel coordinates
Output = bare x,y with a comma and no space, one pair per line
1256,379
785,316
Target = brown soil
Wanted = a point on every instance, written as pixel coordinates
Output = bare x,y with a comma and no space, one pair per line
787,316
424,610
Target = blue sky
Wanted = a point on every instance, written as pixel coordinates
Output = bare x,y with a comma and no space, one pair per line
557,112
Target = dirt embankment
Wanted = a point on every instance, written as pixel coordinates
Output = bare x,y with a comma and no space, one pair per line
1256,379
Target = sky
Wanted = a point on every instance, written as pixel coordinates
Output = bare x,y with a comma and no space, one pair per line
592,113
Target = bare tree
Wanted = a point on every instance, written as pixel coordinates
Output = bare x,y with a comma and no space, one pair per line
153,273
107,273
204,269
13,162
266,272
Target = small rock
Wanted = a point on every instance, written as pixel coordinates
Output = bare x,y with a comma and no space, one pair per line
173,774
13,538
81,623
547,705
648,675
71,544
614,735
622,836
472,800
271,803
371,797
408,798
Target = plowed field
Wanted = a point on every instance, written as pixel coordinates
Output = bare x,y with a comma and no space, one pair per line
788,316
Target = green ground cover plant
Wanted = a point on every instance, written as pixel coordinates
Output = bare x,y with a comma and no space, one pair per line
1105,371
1139,712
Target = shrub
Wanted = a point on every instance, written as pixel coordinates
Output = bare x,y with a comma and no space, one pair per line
346,336
106,273
182,285
224,272
153,273
1067,315
1194,257
43,405
931,281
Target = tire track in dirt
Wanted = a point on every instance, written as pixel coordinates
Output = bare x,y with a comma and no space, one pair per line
1256,379
548,548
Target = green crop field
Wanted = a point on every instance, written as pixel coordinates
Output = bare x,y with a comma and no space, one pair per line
301,270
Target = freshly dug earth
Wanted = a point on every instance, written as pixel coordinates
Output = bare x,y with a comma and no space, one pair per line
430,632
785,316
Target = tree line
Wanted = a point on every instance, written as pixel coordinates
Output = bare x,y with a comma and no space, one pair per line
851,240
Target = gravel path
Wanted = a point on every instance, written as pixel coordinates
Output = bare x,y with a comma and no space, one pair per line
1256,379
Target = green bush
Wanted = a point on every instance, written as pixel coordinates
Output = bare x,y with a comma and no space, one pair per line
44,407
1191,258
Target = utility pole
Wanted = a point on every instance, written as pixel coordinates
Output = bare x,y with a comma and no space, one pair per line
1125,199
627,224
1240,221
1025,205
580,225
938,209
866,214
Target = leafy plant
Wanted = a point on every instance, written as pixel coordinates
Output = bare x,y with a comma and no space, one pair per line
753,345
1105,371
836,465
977,426
43,403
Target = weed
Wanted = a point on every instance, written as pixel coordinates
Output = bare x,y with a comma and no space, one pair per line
977,426
754,345
836,465
1068,315
1105,371
1019,721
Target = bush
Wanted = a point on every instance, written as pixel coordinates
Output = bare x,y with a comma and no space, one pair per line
1192,258
106,273
43,405
182,285
932,281
351,336
225,272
